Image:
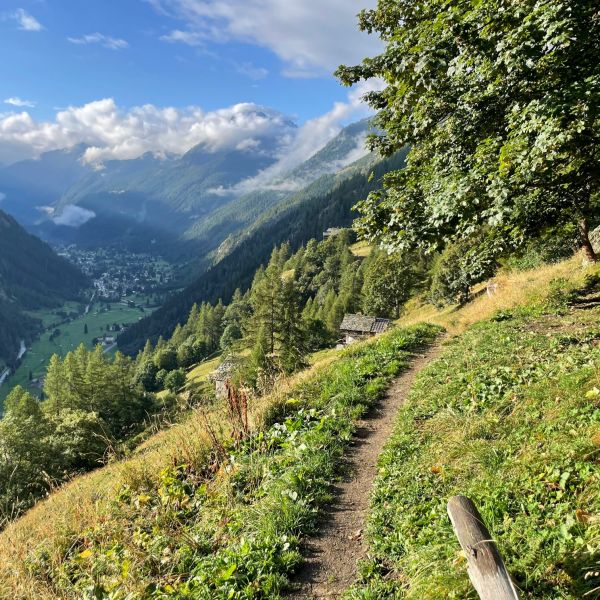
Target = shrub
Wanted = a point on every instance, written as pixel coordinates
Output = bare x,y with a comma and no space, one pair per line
175,380
459,267
166,359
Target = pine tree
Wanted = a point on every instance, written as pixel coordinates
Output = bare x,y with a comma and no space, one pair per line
266,298
192,321
259,357
308,310
179,335
292,348
336,315
326,312
231,335
55,384
215,325
147,351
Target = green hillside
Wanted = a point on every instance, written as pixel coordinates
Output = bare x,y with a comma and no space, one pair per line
32,276
508,416
195,512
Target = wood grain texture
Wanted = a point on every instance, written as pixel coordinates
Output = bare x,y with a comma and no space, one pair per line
486,568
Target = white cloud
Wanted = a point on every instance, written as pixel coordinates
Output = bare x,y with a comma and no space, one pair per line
312,37
25,21
114,133
110,132
2,196
99,38
308,140
191,38
73,216
19,102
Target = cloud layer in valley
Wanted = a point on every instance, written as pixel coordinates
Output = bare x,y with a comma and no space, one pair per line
279,25
73,216
309,139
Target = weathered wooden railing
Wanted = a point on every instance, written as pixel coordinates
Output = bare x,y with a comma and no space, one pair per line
486,568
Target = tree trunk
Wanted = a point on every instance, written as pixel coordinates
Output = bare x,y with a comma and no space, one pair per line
588,249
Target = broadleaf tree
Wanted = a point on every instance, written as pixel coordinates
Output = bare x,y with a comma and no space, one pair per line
499,103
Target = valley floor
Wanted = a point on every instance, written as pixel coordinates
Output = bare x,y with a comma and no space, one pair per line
72,331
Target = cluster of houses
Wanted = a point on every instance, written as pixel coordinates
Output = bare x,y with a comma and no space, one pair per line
118,273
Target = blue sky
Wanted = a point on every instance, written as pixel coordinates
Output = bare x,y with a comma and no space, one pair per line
206,54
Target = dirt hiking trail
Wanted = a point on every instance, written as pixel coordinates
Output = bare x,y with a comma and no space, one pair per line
331,556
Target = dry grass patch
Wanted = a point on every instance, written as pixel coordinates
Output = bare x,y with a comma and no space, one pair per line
512,289
361,249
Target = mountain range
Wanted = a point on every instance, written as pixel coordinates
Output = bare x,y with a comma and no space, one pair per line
185,206
219,213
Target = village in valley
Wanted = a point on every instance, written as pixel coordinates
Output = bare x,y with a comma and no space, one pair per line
117,273
125,288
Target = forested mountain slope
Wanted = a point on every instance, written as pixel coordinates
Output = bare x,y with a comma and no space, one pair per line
31,273
240,211
31,276
325,203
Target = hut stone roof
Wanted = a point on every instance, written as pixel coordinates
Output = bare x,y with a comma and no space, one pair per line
364,324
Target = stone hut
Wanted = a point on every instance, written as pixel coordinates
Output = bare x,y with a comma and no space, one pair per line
360,327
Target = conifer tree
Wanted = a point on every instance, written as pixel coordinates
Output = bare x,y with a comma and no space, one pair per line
292,349
266,298
259,357
55,384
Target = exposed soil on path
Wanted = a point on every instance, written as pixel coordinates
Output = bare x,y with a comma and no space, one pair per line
332,555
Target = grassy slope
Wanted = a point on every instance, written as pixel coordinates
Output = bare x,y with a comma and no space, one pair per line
509,415
513,289
226,525
178,519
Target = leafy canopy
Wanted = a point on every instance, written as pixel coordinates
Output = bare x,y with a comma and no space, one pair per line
499,104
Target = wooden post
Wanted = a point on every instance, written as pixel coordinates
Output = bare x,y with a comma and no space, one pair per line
485,565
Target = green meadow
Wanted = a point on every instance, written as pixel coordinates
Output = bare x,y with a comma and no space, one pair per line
71,335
